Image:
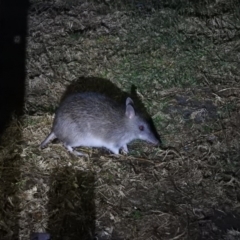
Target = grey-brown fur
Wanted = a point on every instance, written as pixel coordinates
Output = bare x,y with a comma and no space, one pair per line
93,120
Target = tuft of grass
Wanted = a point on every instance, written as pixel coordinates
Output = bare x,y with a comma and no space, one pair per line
136,215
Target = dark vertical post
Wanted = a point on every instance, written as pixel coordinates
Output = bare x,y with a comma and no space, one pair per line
13,31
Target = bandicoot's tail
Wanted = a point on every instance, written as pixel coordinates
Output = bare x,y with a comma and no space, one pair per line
49,138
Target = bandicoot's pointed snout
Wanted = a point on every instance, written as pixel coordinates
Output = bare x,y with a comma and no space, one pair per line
156,141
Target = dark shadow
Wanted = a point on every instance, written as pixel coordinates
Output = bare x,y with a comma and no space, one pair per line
71,204
13,31
104,86
9,210
94,84
219,225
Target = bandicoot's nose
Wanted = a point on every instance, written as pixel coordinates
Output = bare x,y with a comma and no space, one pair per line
156,141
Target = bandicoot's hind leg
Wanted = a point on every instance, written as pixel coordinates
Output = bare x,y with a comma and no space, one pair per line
49,138
70,149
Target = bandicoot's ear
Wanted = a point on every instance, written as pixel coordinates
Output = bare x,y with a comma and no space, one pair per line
130,112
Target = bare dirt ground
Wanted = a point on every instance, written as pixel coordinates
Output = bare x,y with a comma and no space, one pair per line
180,63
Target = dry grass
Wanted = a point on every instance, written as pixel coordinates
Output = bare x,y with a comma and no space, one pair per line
186,72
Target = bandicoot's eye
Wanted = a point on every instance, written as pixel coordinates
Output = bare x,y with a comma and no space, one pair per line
141,127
